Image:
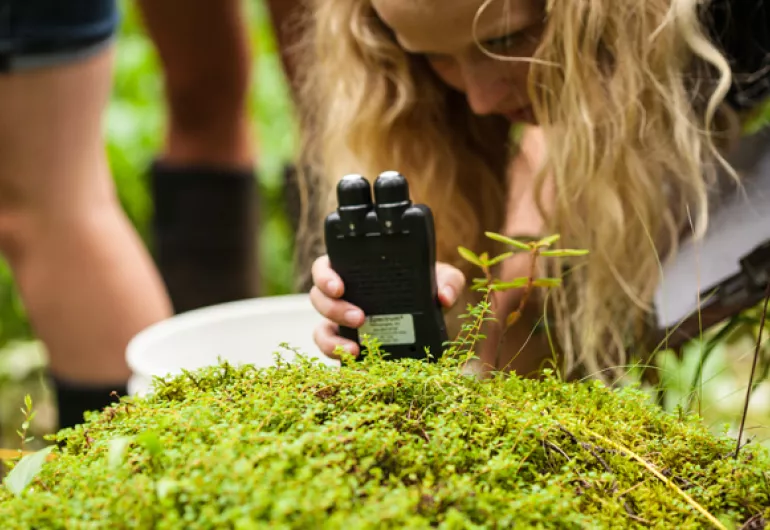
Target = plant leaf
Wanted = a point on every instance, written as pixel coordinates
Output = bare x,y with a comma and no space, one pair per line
512,318
548,241
501,257
547,282
117,450
165,486
469,255
479,282
507,240
517,283
26,470
151,442
563,253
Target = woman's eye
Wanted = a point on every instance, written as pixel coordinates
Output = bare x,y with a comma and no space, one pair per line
505,42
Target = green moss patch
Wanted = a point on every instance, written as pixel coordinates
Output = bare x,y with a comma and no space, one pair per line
390,445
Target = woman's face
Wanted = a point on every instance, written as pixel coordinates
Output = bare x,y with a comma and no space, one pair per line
442,31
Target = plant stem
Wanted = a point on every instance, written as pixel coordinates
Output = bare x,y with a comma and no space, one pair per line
534,253
528,289
753,370
466,338
628,452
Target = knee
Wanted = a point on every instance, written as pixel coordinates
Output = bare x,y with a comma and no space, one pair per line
17,232
18,218
29,226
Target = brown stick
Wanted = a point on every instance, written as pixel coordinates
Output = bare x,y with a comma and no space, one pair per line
753,369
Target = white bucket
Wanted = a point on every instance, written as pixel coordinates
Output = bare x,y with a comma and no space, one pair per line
243,332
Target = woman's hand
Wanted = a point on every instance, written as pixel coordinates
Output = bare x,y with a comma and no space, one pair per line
328,288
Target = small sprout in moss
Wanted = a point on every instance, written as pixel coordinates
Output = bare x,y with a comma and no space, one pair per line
491,287
29,415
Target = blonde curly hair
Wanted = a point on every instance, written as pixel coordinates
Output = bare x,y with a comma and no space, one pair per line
629,96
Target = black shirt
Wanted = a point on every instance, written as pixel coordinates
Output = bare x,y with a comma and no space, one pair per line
742,29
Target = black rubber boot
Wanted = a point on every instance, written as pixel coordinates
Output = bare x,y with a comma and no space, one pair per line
74,400
205,234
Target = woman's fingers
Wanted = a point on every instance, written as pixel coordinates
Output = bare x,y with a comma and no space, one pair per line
338,311
326,337
327,288
451,283
329,285
325,298
326,279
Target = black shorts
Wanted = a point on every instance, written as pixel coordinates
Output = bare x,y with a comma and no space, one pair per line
44,33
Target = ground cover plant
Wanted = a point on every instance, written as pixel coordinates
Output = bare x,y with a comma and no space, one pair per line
387,444
390,444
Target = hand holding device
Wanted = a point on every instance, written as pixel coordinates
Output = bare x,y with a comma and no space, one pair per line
384,251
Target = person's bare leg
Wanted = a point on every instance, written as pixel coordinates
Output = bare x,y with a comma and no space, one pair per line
205,228
204,49
86,281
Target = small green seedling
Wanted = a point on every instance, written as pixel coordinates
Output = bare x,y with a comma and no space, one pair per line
487,310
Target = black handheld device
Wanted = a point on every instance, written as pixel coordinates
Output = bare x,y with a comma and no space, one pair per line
385,252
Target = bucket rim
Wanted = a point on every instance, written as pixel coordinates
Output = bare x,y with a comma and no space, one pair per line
139,364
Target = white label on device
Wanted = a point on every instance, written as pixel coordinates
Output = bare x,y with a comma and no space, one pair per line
389,329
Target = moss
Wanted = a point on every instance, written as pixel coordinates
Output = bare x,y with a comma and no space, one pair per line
389,445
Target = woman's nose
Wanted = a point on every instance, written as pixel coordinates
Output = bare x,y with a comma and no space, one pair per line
486,90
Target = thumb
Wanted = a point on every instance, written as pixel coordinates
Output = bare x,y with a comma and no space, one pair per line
450,283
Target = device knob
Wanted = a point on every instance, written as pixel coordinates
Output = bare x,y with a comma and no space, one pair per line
354,190
391,188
